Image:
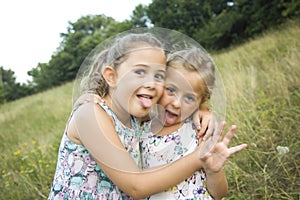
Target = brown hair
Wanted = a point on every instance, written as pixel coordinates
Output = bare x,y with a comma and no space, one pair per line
113,56
196,59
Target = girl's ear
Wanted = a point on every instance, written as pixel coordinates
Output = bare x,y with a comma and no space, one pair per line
110,76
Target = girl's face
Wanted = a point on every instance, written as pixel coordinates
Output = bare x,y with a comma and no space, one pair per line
182,95
140,81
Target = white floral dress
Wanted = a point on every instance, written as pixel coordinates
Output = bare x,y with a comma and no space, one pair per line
159,150
77,174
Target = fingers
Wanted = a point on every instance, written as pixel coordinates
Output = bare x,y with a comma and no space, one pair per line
213,128
206,127
209,132
197,120
238,148
229,135
221,129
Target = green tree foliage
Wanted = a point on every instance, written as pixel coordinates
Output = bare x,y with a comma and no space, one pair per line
139,17
9,89
217,24
81,37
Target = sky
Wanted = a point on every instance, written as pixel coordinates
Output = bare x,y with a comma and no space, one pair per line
30,30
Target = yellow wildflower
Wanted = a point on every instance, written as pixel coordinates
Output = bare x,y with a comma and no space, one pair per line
16,153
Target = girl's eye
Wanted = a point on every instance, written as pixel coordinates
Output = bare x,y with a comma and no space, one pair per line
159,76
170,90
190,98
140,72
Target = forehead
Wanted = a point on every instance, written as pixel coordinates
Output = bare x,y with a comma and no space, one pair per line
184,80
147,55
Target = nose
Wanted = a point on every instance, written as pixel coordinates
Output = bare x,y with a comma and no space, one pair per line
149,84
176,102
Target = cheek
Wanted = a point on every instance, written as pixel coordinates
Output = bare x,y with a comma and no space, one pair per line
128,85
165,99
187,110
160,91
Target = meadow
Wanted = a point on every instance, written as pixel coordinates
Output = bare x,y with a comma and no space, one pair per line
262,81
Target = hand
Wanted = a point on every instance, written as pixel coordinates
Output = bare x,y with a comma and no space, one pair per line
206,123
216,159
86,98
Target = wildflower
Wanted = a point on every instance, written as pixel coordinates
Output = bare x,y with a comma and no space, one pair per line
16,153
3,171
282,150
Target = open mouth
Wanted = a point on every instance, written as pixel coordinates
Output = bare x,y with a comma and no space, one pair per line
145,100
170,117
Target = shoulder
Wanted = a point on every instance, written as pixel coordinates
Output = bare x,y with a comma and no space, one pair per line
85,116
88,110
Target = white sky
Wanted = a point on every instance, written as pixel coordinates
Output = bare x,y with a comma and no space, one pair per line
30,29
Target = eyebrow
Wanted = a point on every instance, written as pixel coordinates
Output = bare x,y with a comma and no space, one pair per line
193,93
148,66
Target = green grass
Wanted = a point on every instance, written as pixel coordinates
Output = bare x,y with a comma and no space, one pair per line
262,81
30,132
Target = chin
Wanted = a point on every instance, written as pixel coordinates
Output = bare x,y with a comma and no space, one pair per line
167,125
140,112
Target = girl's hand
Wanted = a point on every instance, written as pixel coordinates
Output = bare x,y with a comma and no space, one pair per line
206,123
87,98
216,159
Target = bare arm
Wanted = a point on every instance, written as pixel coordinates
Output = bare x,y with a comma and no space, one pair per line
215,160
216,184
96,132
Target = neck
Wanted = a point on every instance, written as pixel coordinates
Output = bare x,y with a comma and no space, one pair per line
166,130
122,114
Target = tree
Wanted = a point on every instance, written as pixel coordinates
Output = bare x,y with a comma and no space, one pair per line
217,24
81,38
9,89
139,18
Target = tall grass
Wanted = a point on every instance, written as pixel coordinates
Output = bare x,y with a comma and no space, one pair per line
30,132
262,85
262,81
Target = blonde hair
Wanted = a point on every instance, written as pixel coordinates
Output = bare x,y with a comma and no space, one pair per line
196,59
113,56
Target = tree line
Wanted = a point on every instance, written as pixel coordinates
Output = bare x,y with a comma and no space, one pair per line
215,24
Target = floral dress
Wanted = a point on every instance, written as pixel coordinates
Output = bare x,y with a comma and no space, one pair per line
159,150
77,174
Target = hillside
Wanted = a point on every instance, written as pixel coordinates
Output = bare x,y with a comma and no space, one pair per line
262,85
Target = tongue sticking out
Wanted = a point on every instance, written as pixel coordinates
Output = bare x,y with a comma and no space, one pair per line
170,118
146,102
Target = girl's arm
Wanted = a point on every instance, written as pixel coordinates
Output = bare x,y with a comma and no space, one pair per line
95,130
216,184
214,161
